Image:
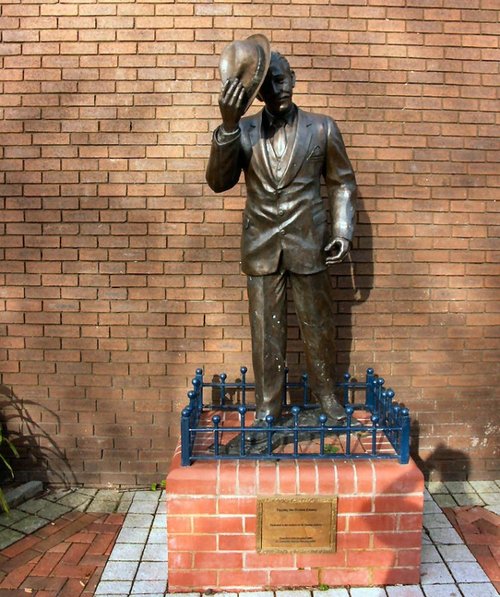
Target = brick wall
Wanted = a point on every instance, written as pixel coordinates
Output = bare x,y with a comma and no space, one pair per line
119,270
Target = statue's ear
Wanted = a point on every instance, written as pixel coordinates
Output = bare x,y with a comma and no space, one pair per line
293,78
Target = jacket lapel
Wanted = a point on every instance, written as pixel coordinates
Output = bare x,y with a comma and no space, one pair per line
260,155
301,145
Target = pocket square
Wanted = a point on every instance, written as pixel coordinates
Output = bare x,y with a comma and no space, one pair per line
316,153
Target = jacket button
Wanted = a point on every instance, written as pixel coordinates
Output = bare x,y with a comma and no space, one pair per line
282,232
281,212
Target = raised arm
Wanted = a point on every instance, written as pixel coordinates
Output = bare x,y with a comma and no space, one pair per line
224,165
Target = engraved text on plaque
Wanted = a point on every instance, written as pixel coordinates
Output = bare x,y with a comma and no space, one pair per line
296,524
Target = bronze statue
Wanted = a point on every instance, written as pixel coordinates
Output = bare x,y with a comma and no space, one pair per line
284,152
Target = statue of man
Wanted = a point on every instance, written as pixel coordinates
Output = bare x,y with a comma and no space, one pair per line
284,153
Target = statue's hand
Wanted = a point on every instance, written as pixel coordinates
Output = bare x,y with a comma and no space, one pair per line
341,246
232,104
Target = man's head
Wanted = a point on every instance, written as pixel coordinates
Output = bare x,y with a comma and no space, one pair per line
277,88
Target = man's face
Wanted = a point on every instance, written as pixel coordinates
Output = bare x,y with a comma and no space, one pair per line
277,89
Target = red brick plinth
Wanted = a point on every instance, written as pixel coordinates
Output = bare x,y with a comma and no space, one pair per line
211,518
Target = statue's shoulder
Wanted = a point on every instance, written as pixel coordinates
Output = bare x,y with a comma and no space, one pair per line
250,122
323,124
317,119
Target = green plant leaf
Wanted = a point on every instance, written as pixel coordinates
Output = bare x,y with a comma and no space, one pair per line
4,460
12,447
3,502
329,449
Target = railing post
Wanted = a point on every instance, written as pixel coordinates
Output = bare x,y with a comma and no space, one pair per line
347,377
378,392
295,413
370,395
305,389
322,421
193,399
270,423
243,371
185,438
383,407
375,420
216,421
348,411
395,435
404,455
222,386
389,406
242,410
285,387
199,386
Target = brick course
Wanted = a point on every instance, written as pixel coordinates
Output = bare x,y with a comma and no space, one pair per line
119,270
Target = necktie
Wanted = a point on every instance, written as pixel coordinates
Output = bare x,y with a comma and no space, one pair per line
279,138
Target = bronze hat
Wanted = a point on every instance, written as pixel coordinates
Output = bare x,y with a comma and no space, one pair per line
248,60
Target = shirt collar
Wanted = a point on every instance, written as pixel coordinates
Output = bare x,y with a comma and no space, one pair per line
288,117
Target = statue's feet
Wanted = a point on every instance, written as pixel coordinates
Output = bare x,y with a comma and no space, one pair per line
336,412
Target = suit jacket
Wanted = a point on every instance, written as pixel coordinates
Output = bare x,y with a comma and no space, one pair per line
285,218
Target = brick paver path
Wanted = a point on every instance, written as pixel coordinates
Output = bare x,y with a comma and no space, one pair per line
63,558
480,530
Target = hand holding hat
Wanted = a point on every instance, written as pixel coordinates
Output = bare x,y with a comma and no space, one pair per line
243,66
232,102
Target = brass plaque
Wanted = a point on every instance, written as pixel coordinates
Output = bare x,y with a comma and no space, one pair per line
296,524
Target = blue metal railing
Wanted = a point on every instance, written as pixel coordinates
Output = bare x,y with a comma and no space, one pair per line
387,420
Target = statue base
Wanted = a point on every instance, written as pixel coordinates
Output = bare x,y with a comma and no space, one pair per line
215,532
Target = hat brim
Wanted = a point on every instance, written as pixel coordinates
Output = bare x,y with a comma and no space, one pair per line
247,60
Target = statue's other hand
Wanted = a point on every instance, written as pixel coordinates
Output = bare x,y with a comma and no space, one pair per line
232,104
338,247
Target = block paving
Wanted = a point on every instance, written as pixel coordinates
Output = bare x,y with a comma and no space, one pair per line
105,543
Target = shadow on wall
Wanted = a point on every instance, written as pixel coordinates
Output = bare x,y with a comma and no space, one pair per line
443,464
37,450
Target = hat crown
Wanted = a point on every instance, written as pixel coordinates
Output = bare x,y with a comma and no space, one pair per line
248,60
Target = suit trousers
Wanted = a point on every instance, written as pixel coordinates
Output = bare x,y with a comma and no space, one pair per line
312,295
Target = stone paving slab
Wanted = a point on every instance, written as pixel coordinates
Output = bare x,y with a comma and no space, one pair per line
18,495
